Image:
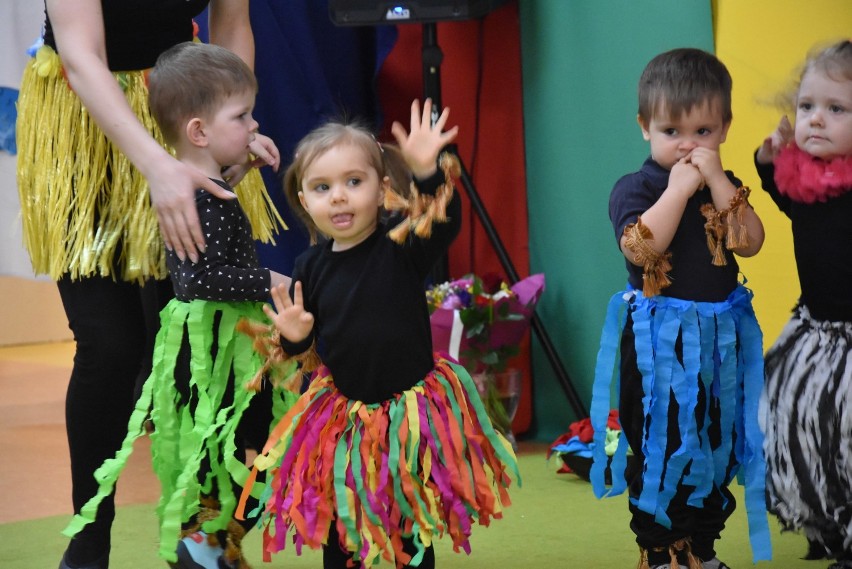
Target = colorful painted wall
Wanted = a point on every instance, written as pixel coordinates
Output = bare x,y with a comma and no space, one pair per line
581,62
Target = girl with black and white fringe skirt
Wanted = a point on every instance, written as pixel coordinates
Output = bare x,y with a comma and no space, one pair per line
805,409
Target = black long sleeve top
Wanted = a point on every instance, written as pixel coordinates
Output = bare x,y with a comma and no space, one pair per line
822,244
369,305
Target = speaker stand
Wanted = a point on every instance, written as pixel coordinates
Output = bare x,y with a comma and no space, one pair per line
432,57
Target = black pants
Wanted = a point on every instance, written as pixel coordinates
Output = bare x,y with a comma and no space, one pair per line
252,430
702,525
334,557
114,326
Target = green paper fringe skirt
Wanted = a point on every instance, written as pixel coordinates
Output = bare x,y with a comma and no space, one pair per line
202,432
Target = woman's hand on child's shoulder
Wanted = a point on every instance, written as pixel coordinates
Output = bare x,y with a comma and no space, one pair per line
420,147
775,142
289,316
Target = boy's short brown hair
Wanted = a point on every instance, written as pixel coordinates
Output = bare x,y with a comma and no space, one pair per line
680,79
192,79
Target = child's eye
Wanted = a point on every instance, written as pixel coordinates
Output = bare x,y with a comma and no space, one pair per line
354,181
805,106
321,188
836,109
703,131
670,131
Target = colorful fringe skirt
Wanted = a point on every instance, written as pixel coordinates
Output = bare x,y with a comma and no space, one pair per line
722,346
806,416
85,208
202,432
423,464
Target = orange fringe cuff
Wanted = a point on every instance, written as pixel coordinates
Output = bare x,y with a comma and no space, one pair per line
422,210
282,369
681,545
721,228
655,266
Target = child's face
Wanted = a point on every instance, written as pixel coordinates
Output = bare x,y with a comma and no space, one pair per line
231,129
672,138
824,116
342,193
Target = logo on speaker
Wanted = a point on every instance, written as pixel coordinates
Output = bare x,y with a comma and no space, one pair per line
398,13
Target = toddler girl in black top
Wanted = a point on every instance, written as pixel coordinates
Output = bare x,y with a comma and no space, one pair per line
806,410
390,446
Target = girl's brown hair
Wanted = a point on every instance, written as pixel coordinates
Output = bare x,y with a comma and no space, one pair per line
385,158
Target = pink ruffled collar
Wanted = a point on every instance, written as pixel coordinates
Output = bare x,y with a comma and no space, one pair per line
806,179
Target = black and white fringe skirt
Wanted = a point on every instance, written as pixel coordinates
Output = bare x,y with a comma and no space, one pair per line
807,422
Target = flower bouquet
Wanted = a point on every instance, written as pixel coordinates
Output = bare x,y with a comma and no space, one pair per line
480,323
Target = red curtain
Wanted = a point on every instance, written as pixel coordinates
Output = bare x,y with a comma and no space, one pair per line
490,141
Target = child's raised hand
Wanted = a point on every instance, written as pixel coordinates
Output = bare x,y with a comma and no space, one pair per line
420,147
290,317
775,142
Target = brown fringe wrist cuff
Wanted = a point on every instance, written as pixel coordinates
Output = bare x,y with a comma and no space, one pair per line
655,266
721,229
422,210
282,370
681,546
738,236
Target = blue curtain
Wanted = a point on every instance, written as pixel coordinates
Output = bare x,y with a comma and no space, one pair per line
309,71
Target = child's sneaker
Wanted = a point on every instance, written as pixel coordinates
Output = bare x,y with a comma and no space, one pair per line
195,552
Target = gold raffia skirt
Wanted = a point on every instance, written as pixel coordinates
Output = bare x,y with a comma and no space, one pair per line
85,208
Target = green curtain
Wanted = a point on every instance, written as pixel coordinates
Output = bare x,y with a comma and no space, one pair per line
581,63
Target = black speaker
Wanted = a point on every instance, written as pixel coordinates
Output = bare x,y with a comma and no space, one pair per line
373,12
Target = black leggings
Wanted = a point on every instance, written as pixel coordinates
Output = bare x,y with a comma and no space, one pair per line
334,557
252,430
703,525
114,326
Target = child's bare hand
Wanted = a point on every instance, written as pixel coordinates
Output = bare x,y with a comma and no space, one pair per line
266,154
265,151
420,147
775,142
686,178
709,164
289,316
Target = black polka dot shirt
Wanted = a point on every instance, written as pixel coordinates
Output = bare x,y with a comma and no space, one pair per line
228,270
